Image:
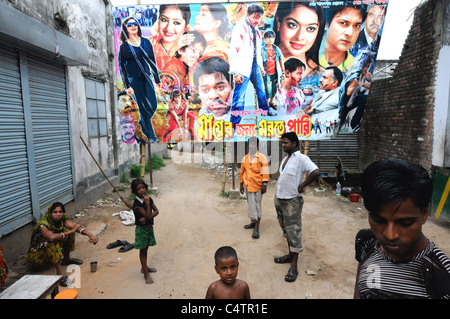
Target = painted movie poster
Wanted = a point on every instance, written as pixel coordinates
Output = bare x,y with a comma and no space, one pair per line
225,72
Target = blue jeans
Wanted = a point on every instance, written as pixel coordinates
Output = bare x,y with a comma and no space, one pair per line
145,98
239,92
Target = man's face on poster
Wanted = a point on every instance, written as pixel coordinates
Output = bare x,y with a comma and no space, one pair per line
125,104
128,131
374,20
327,81
344,29
254,19
215,93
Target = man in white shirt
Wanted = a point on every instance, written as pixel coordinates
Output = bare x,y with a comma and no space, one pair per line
289,200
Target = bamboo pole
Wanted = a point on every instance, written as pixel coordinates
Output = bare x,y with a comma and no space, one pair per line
98,165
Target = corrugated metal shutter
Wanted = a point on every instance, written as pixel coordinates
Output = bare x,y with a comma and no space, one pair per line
15,195
51,132
326,153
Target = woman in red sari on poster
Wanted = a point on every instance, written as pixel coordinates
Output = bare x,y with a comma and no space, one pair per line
178,116
173,21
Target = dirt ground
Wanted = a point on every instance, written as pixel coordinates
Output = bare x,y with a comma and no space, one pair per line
195,220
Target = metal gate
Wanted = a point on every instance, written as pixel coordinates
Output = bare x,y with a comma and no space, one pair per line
35,142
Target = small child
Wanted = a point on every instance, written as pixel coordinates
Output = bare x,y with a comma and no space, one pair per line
290,98
144,210
272,56
228,287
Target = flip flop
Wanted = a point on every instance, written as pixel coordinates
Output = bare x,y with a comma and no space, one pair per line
282,260
73,261
125,248
117,243
291,276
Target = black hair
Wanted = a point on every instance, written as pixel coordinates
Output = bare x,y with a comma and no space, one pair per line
269,33
254,8
225,252
209,66
184,8
337,74
198,38
124,33
135,183
333,11
292,64
291,136
394,181
219,13
284,9
57,204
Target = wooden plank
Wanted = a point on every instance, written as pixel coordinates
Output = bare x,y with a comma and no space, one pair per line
32,287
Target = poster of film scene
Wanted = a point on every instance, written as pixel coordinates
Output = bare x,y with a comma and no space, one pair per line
225,72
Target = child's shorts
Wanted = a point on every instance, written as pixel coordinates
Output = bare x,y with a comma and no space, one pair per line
144,237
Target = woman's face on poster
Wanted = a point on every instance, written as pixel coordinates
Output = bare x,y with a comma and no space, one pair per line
344,29
171,24
132,27
205,21
298,31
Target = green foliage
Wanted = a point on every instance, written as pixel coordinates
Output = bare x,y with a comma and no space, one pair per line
157,163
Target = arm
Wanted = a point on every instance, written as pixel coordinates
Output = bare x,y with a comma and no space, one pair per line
210,291
241,187
356,292
265,173
311,178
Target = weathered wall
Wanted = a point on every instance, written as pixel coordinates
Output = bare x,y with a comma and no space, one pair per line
398,120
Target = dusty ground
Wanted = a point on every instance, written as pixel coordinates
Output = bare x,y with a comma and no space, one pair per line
195,220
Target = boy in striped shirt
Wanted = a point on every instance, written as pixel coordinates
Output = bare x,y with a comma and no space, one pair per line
396,260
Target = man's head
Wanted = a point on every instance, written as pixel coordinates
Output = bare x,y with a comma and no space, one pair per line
226,264
253,143
213,81
254,14
294,69
128,129
397,195
344,25
374,19
331,78
290,142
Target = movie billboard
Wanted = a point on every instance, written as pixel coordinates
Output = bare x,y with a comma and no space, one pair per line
229,71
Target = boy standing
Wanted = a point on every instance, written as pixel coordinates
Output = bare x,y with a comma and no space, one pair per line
228,287
144,210
272,57
396,260
290,98
254,176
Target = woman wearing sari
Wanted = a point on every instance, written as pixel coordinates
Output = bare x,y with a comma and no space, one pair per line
52,240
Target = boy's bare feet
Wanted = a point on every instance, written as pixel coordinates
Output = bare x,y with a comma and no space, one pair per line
150,269
148,278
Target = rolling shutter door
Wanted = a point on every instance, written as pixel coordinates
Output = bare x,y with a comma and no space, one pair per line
51,132
15,195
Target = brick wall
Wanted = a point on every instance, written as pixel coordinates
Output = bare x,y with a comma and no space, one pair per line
398,119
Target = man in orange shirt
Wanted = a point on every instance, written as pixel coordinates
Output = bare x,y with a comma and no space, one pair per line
254,177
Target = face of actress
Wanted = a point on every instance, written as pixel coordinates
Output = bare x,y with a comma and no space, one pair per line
192,53
298,31
204,21
344,29
215,93
132,27
171,24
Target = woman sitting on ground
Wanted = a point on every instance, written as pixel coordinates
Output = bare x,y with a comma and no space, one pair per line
53,239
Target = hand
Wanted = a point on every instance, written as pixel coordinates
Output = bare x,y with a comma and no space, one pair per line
238,79
146,199
301,189
263,73
241,188
263,189
93,239
142,220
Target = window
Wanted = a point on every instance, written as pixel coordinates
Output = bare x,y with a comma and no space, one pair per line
96,108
